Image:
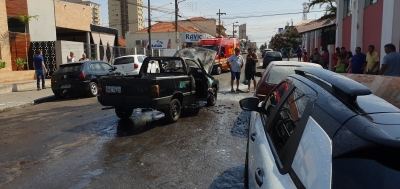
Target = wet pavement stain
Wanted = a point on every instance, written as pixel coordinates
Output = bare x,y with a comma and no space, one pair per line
76,145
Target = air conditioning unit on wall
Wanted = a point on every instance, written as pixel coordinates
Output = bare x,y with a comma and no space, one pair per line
139,42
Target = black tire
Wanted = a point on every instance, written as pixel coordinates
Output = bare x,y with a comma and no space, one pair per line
218,71
93,90
123,113
173,114
212,100
60,95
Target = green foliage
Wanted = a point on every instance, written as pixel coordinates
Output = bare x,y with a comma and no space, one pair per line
92,58
2,64
262,47
286,41
330,9
24,18
20,62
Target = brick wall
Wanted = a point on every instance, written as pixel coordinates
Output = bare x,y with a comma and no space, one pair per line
72,16
15,7
5,54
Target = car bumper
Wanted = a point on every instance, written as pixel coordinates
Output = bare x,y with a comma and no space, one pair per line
134,102
77,87
135,72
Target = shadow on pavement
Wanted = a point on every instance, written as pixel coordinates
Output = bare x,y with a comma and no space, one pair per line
241,126
230,179
126,127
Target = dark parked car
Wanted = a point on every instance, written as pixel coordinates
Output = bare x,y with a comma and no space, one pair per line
80,77
318,129
271,56
264,51
274,73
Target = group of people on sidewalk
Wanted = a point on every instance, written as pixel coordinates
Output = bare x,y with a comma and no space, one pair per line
71,57
236,63
360,63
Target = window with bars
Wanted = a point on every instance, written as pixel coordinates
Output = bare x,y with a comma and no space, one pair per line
370,2
348,8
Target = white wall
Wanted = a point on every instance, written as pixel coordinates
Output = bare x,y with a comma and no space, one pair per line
357,23
339,22
63,48
43,29
132,37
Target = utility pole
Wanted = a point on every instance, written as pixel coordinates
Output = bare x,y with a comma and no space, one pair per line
149,31
176,24
219,20
233,27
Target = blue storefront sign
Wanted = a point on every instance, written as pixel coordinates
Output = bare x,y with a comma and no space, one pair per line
192,37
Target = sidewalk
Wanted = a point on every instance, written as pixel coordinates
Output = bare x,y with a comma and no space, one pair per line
26,97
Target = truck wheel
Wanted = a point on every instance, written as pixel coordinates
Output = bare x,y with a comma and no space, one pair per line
212,100
174,112
123,113
93,90
219,70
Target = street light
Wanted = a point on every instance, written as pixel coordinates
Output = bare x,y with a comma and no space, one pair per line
233,31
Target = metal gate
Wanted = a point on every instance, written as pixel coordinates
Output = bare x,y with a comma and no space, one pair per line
49,54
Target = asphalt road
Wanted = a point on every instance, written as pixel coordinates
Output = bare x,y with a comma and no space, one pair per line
72,143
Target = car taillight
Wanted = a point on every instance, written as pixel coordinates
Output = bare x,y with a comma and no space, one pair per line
155,91
136,66
100,88
82,76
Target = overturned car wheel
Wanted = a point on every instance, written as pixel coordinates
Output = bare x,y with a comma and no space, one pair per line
123,113
173,114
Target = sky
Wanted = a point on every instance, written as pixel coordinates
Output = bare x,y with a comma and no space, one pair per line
263,17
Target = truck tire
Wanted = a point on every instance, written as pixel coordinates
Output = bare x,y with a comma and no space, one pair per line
93,90
123,113
219,70
173,114
212,100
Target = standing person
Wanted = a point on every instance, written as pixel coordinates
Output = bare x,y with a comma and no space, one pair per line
299,53
340,67
40,69
343,50
235,63
315,57
84,58
358,61
371,65
250,69
325,58
391,62
71,57
349,59
305,57
335,56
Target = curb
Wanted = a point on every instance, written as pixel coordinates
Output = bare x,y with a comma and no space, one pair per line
26,104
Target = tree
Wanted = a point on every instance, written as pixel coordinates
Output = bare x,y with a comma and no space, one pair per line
25,19
330,9
262,47
286,41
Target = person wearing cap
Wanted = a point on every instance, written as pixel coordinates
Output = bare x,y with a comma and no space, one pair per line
235,63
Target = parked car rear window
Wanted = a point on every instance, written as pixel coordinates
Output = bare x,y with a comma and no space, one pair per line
140,59
278,73
66,68
125,60
370,168
273,54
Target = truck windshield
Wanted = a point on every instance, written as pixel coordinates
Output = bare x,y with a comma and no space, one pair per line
215,48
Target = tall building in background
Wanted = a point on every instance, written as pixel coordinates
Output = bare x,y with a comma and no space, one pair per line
125,15
242,31
95,10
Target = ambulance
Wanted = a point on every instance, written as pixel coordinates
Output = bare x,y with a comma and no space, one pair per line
225,47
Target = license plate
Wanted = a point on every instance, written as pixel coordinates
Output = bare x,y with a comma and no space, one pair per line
65,86
113,89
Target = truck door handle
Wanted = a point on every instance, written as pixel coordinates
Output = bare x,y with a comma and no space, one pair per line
259,176
253,137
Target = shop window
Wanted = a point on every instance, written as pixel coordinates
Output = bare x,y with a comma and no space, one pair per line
348,8
370,2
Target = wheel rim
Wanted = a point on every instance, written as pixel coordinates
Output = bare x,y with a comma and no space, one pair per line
94,89
174,110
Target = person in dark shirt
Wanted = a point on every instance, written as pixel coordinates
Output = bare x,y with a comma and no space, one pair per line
250,68
40,69
358,61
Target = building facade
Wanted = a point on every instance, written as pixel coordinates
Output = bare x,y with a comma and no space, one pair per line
361,23
95,7
125,16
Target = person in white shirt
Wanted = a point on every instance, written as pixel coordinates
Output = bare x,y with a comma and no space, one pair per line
235,63
70,57
84,58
